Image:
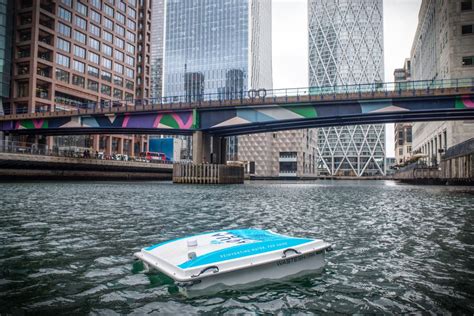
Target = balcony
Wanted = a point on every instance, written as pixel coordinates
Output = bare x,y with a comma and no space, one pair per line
45,38
24,36
45,55
23,52
25,19
44,71
47,6
26,4
47,22
23,69
42,93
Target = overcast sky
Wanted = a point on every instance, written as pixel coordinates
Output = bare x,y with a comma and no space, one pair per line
290,43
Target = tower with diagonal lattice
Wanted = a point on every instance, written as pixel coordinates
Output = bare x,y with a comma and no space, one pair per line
345,48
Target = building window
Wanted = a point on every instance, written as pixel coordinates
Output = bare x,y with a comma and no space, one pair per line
400,137
22,90
108,10
93,85
107,50
467,29
409,136
62,75
132,13
130,48
105,89
107,63
108,23
131,24
118,68
80,37
94,29
78,81
96,3
121,5
129,84
118,94
120,17
107,76
95,44
82,9
468,61
95,16
67,2
108,37
118,55
130,36
62,60
466,5
119,42
79,66
65,14
119,30
93,71
63,45
94,58
400,151
81,23
130,60
64,29
129,72
118,81
79,51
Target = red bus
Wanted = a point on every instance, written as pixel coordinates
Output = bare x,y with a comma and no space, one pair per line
153,157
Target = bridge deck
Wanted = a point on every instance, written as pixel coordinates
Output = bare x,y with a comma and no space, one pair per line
307,97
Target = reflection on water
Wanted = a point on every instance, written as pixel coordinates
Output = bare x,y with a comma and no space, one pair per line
67,247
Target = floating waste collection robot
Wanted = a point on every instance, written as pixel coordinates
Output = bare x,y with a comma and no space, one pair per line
213,261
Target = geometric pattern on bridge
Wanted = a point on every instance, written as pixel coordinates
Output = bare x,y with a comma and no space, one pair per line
241,116
182,120
222,118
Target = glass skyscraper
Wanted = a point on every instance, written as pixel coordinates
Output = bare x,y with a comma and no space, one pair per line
6,18
206,48
219,47
157,26
346,47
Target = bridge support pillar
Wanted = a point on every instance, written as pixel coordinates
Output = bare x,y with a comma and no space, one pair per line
208,149
201,148
218,153
108,145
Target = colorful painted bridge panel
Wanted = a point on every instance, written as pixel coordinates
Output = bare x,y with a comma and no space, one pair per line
149,121
300,111
235,120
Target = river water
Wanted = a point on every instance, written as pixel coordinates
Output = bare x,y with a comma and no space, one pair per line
67,247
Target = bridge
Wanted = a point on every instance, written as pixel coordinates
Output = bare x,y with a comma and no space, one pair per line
257,111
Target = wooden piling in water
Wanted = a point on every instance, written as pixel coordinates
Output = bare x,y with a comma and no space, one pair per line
207,173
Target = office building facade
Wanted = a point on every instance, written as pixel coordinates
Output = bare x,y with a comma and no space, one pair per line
443,48
6,31
73,53
403,131
346,48
217,48
157,35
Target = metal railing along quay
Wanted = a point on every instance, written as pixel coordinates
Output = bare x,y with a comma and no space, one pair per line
255,96
14,147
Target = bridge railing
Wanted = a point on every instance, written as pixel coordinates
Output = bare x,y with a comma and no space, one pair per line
263,94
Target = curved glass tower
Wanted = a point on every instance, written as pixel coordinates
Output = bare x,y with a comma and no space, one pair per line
346,47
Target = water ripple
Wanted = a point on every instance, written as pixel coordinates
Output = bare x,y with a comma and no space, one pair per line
67,247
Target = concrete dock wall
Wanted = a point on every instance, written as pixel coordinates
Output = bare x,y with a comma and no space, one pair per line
38,167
